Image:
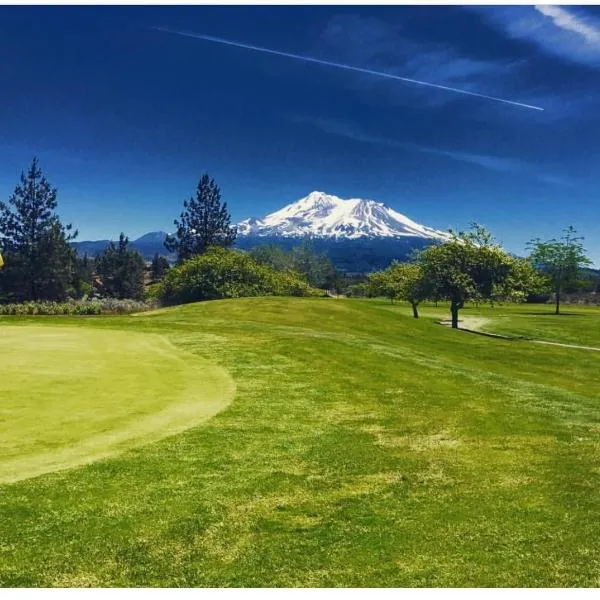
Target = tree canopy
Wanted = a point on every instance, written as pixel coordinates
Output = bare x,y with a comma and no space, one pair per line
560,260
471,266
223,273
402,281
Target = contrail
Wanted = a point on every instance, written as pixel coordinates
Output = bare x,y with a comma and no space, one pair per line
329,63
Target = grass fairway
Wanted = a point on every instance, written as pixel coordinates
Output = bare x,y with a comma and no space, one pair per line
363,448
73,395
575,325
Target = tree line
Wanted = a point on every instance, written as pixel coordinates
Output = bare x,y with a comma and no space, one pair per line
41,265
472,267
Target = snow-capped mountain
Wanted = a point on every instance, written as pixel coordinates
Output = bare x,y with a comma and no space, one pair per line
325,216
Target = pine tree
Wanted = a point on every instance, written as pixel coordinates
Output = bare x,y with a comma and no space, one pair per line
205,221
158,267
121,270
39,260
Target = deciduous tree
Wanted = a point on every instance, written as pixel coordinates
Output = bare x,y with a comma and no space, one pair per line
470,267
560,260
402,281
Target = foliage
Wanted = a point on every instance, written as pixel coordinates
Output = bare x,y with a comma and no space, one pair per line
272,255
121,271
39,263
205,221
100,306
561,260
158,267
403,281
471,266
315,267
223,273
84,273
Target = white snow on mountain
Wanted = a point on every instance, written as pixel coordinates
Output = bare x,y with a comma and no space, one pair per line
323,215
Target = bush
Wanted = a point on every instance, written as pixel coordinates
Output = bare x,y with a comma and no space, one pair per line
76,307
221,273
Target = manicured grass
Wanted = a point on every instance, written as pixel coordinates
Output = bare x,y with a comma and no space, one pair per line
575,325
363,448
73,395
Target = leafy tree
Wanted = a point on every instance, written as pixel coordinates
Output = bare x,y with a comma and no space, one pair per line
39,260
272,255
158,267
121,271
410,284
470,266
378,284
316,268
560,260
205,221
403,281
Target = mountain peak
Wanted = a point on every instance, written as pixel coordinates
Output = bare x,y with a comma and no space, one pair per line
324,215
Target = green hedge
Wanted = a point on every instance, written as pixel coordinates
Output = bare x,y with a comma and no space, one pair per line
221,273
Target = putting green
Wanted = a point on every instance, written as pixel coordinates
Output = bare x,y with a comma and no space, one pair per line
72,395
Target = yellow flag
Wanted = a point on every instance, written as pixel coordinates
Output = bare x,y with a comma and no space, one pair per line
1,261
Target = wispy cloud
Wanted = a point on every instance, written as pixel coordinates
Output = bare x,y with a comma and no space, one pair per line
570,33
500,164
376,44
570,22
514,72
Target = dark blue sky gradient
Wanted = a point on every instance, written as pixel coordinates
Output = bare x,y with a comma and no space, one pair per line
125,118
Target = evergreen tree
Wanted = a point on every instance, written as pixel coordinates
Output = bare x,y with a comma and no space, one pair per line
121,271
39,260
158,268
84,274
205,221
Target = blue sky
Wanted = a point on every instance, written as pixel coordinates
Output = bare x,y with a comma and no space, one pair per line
125,118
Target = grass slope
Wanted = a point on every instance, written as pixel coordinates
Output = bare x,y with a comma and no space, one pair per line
363,448
73,395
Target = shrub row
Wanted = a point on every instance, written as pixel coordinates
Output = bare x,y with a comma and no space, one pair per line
76,307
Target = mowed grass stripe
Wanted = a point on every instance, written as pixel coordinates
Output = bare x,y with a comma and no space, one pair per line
74,395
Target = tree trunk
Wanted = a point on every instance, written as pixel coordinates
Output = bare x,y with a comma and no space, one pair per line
557,311
415,311
454,308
